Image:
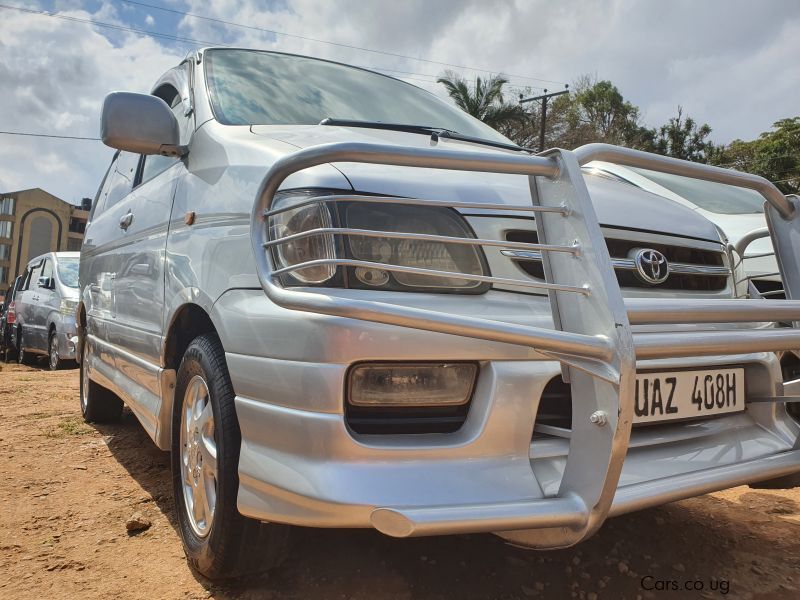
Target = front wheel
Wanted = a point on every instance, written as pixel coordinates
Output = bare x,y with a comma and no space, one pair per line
219,542
54,362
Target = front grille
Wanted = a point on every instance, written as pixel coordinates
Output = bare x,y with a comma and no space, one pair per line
770,289
691,269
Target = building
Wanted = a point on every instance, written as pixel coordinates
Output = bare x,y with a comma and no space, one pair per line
33,222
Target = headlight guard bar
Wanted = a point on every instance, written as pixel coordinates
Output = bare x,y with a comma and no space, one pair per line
592,337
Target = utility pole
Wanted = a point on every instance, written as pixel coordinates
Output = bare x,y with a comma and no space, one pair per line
544,98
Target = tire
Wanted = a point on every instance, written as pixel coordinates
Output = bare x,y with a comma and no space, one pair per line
10,354
98,405
53,361
220,543
23,357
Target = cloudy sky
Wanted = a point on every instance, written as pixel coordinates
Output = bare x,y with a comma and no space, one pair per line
730,63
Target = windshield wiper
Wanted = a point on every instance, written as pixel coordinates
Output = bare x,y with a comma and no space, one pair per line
434,132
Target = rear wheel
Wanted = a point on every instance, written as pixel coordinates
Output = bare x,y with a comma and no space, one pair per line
98,405
54,362
23,356
219,542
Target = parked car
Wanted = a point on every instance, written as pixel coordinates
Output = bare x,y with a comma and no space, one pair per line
737,211
341,302
8,318
45,309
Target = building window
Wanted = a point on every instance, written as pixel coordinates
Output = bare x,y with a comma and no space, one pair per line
3,274
77,225
74,244
5,251
5,229
6,206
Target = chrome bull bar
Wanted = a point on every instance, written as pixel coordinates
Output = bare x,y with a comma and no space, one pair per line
592,335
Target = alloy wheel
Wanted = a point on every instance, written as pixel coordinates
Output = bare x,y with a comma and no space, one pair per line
53,353
198,457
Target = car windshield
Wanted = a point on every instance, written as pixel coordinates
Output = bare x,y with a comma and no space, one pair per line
68,271
250,87
715,197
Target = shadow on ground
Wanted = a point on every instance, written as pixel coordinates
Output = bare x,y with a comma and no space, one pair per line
744,548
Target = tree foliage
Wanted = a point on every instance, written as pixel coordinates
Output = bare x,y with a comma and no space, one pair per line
681,138
596,111
482,99
774,154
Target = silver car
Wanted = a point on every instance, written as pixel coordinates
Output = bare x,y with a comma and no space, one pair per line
45,309
341,302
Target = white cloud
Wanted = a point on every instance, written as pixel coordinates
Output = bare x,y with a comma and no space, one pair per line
730,63
55,74
149,20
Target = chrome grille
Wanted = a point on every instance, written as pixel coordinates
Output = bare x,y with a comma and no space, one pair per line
690,269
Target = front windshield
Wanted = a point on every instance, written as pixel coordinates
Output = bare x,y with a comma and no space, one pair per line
715,197
250,87
68,271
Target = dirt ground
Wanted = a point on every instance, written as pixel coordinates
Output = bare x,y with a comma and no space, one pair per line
69,488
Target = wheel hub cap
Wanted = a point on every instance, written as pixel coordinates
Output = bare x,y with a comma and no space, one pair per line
198,457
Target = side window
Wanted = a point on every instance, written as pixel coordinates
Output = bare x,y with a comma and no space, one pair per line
102,191
33,276
122,178
47,269
154,163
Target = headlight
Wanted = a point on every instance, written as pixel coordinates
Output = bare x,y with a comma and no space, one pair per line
67,307
374,216
438,256
315,247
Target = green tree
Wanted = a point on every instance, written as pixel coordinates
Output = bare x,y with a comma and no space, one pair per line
774,154
595,111
681,138
482,99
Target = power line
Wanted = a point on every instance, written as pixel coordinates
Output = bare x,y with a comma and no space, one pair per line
48,135
339,44
191,41
44,13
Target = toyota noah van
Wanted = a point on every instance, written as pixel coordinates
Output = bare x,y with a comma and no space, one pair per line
339,301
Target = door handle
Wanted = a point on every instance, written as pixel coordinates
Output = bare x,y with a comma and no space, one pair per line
126,220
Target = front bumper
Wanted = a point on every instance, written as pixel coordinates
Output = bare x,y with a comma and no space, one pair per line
300,464
67,337
306,468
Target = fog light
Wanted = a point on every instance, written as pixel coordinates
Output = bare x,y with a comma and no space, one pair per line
411,384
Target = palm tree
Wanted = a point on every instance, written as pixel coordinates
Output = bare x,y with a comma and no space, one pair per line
483,100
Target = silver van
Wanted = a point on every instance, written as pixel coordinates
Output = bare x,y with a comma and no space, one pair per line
341,302
45,309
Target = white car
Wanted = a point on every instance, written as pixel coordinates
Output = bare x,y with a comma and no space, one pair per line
342,302
736,211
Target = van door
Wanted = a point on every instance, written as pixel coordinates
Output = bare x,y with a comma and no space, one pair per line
139,283
100,262
43,305
28,297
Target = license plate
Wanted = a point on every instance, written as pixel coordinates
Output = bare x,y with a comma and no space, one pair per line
664,396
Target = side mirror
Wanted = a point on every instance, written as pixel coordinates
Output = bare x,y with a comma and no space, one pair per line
141,124
47,283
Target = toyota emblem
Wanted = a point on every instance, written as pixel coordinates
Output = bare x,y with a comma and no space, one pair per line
651,266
